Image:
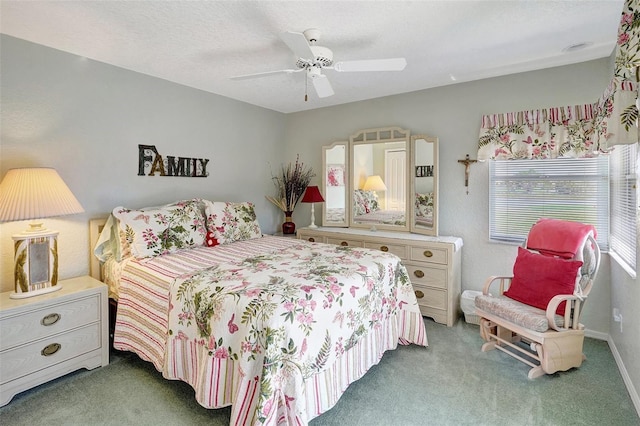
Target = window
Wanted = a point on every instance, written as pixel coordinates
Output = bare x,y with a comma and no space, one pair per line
523,191
623,205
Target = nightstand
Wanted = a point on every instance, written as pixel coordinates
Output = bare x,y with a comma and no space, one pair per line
47,336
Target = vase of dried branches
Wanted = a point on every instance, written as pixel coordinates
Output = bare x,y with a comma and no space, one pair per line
290,186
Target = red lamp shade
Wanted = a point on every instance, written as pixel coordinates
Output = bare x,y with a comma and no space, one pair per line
312,195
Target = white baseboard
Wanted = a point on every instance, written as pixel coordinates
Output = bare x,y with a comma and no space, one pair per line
596,335
635,398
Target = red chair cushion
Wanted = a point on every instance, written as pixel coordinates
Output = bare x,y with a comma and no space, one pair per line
537,278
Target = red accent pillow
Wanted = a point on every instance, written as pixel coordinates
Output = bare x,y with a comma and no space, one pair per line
537,278
210,240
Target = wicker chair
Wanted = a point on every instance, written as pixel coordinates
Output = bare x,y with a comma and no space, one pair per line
534,316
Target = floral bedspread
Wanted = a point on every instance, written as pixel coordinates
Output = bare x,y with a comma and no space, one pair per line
284,316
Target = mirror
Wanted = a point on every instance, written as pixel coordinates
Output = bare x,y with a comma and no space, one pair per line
334,185
378,179
424,185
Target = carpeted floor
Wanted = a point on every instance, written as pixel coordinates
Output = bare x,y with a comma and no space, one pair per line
449,383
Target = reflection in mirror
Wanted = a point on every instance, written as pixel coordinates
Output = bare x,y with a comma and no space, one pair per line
334,185
424,183
379,183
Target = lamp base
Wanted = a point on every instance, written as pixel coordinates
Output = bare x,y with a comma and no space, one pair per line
35,263
38,292
313,218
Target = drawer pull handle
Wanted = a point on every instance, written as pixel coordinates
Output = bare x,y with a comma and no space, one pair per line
312,240
384,248
51,349
428,253
50,319
419,294
344,243
418,273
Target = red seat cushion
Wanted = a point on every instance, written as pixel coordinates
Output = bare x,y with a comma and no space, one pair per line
537,278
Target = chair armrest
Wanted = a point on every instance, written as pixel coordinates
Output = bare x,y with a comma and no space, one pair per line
571,312
495,278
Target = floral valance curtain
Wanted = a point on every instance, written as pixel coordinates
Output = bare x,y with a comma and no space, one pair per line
579,130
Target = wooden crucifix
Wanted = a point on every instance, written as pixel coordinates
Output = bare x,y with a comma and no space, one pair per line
467,168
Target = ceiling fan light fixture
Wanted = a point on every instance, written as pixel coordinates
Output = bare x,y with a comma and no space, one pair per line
314,72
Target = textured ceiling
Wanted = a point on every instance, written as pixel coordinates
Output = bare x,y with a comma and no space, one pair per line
202,44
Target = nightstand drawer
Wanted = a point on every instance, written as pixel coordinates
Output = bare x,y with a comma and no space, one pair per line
57,318
35,356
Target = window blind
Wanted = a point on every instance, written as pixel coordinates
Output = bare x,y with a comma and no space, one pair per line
623,203
523,191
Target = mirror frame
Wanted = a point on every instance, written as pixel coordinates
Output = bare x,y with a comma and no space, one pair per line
373,136
325,219
414,227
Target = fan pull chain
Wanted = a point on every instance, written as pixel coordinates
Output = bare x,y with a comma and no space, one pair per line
306,84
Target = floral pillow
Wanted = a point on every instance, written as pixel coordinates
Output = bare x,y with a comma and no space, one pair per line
424,204
365,202
155,231
231,222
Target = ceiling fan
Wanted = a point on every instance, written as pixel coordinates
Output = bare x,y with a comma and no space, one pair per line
312,59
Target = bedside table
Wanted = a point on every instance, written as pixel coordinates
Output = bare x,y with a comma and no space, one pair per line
50,335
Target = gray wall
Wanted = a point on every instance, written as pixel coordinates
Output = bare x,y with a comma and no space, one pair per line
86,119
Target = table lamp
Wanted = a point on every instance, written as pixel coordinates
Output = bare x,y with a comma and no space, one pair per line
31,194
374,183
312,195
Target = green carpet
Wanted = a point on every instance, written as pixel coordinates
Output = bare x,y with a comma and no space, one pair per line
449,383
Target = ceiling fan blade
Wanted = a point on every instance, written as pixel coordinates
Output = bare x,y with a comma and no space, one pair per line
322,85
298,43
263,74
392,64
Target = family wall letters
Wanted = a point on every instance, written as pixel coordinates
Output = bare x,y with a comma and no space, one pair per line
171,166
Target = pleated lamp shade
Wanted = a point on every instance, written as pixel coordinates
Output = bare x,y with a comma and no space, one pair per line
312,195
35,193
374,183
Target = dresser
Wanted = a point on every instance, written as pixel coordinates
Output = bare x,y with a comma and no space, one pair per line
47,336
433,263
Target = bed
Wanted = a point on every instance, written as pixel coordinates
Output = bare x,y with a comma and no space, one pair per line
366,209
276,327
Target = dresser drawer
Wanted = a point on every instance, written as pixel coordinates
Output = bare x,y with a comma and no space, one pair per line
345,242
398,250
430,297
35,356
313,238
431,276
57,318
432,255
